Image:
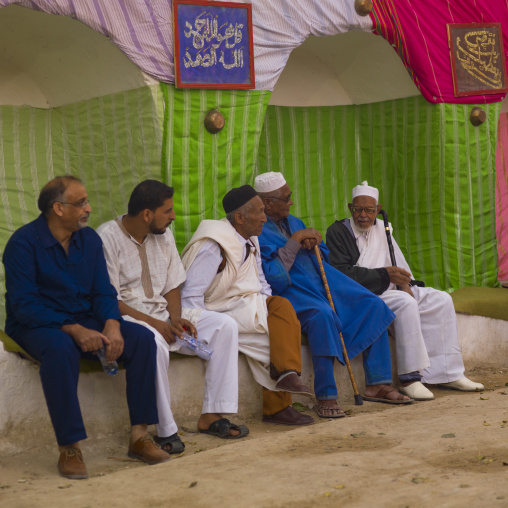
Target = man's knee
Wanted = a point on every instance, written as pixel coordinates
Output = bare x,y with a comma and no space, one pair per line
280,304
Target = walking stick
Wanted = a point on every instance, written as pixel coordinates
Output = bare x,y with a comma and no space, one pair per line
389,239
358,397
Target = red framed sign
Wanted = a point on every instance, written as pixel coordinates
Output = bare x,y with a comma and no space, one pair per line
213,44
477,58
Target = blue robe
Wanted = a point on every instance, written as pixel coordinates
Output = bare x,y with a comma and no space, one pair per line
360,315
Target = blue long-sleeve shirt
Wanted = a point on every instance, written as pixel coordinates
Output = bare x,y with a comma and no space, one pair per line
46,287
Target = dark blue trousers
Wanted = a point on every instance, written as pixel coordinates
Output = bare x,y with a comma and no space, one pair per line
376,364
59,356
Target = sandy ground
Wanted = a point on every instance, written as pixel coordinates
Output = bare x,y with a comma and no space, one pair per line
452,451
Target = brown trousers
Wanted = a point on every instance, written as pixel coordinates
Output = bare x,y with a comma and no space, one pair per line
285,350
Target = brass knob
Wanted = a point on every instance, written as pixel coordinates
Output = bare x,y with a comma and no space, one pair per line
363,7
214,121
477,116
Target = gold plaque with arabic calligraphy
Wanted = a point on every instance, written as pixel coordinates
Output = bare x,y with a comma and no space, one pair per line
477,57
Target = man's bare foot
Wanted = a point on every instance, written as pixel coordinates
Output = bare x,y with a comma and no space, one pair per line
328,409
206,419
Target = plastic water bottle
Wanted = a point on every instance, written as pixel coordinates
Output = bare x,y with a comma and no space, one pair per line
110,368
195,346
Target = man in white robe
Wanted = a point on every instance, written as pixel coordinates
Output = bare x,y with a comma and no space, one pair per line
425,326
146,271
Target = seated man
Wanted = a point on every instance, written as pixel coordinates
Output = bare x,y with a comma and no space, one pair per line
224,274
61,307
425,325
145,269
291,268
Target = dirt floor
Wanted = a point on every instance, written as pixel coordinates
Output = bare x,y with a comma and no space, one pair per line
450,452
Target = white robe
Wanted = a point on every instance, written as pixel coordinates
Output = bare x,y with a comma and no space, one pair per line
236,291
425,327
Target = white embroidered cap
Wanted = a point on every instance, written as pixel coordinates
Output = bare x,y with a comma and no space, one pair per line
268,182
365,190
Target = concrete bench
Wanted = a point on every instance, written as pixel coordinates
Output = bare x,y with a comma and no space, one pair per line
482,318
24,417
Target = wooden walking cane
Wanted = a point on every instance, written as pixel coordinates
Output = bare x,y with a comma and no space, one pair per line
358,397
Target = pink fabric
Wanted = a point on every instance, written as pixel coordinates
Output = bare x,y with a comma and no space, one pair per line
502,197
417,31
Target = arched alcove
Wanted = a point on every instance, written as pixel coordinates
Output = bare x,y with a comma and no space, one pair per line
351,68
48,61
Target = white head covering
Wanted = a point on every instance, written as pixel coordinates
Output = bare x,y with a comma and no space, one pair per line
268,182
365,190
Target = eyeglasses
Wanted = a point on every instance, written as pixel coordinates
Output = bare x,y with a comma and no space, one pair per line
284,200
80,204
367,209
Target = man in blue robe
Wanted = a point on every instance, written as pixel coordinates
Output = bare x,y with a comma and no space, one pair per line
291,268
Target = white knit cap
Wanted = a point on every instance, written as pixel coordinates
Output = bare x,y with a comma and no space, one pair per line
268,182
365,190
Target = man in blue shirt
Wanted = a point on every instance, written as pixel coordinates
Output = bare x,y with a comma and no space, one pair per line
61,307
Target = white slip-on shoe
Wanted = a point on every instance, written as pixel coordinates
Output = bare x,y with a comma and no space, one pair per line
463,385
417,391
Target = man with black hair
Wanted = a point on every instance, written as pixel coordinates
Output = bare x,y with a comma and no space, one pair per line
145,268
61,307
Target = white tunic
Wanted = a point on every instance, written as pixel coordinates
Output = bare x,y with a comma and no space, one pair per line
425,326
142,274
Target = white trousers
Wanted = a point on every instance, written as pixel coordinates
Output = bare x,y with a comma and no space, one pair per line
426,334
221,377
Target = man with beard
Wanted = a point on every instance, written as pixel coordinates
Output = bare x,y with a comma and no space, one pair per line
425,324
61,307
145,268
291,268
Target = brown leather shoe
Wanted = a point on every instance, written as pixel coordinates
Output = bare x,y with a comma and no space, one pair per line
289,416
147,450
71,464
292,384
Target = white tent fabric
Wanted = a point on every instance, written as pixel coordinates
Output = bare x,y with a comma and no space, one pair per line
143,29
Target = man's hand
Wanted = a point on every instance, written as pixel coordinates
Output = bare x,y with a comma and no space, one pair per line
87,340
307,238
179,325
407,289
399,276
114,344
164,328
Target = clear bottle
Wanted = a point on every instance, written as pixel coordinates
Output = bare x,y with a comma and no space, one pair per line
110,368
195,346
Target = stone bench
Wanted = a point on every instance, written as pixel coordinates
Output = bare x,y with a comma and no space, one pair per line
482,318
24,417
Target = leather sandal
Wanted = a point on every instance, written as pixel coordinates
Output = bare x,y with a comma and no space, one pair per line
382,396
174,441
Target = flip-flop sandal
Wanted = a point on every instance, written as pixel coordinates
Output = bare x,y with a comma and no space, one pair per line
174,441
381,397
220,428
318,409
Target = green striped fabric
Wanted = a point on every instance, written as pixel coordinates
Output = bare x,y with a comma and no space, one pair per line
201,166
435,172
111,143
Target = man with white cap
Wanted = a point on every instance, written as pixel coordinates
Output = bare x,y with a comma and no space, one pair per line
425,325
291,268
224,274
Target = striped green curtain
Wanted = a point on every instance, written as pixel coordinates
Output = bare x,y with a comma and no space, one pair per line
201,166
111,143
434,170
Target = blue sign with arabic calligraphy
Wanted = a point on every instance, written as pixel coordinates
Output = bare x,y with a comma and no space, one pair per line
213,44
